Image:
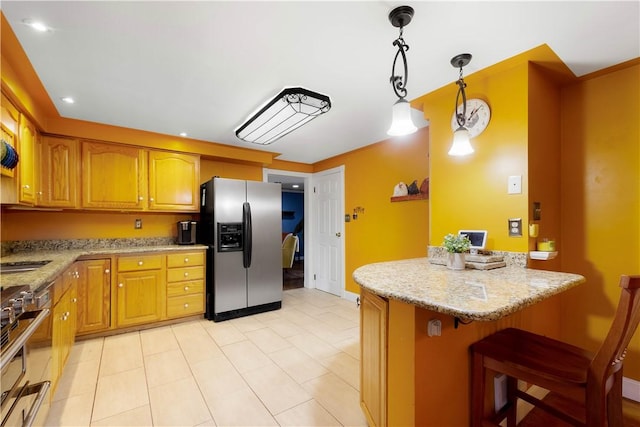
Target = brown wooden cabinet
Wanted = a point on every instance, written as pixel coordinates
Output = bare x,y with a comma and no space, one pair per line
173,181
63,322
140,290
374,312
185,284
59,172
94,296
9,119
27,174
113,176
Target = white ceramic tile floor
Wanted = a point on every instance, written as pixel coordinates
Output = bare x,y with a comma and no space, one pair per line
297,366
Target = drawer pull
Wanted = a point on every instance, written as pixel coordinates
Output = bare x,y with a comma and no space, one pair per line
186,260
140,263
186,288
186,305
186,274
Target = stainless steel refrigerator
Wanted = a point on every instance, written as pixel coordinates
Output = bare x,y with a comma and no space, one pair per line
241,222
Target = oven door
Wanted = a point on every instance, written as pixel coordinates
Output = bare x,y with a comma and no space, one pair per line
22,391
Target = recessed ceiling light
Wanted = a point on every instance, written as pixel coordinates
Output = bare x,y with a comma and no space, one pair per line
183,134
68,99
36,25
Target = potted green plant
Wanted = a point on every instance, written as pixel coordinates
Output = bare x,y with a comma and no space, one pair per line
456,245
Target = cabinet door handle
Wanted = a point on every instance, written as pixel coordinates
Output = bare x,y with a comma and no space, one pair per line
107,271
140,263
151,199
120,285
141,198
74,300
26,186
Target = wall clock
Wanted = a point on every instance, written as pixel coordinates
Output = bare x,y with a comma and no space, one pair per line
478,116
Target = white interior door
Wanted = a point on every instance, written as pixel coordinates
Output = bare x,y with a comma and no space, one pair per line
328,266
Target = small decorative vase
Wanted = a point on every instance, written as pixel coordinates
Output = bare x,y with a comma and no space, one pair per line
455,261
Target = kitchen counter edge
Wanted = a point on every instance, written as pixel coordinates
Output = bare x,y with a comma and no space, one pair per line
437,288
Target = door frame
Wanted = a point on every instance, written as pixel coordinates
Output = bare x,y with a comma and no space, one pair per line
309,209
308,213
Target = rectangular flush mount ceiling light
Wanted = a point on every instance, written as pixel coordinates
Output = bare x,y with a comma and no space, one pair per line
287,111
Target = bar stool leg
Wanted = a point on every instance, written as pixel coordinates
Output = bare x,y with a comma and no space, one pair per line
512,401
477,390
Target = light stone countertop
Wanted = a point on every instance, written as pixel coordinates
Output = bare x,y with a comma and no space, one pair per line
466,294
63,258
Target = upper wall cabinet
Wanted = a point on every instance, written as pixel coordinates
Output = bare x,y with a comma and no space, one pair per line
116,176
59,170
173,181
9,119
19,184
113,176
27,173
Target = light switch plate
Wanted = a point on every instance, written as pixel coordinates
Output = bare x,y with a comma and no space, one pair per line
515,184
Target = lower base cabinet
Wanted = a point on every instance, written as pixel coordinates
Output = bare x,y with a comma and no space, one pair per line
139,297
374,312
94,296
63,323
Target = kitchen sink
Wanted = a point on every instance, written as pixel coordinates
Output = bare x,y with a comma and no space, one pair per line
21,266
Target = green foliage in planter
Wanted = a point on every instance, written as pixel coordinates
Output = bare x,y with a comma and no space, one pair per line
456,244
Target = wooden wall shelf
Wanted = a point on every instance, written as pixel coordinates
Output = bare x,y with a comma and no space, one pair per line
420,196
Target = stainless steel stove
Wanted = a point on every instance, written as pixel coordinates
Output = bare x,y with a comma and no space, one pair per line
25,370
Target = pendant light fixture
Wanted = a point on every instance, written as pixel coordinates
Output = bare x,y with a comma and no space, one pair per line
401,123
461,145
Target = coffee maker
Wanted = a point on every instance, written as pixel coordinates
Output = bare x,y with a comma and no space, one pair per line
187,232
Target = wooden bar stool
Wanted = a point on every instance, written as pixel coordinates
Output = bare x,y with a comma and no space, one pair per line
593,381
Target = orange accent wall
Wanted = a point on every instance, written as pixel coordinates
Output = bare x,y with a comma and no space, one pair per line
600,201
544,161
386,230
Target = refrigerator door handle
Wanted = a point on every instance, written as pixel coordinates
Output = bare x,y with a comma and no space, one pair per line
246,230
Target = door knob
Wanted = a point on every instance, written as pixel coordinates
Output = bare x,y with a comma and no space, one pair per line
338,234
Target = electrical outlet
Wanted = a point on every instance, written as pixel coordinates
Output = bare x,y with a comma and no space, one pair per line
515,227
138,224
434,328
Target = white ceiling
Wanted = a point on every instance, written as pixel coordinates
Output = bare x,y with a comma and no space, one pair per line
203,67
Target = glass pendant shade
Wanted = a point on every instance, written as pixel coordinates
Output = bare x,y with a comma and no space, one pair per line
461,145
401,124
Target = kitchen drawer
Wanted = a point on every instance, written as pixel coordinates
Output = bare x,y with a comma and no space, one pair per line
184,288
186,259
185,273
185,305
139,262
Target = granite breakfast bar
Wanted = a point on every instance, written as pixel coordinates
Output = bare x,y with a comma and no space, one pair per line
403,367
